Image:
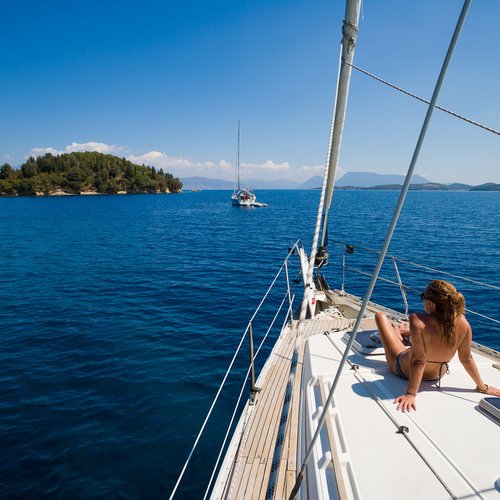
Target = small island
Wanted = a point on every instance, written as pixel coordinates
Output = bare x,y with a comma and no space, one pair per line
84,173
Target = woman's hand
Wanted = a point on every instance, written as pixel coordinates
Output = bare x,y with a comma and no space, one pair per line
404,329
406,402
492,391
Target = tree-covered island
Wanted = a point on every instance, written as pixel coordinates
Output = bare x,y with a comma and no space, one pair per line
83,173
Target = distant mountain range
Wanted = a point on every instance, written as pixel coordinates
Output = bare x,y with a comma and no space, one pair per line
370,179
204,183
351,180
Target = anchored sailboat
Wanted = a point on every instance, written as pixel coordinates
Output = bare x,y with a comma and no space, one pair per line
320,421
241,197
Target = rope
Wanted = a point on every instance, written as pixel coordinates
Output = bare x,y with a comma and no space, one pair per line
243,442
395,87
401,286
406,287
319,217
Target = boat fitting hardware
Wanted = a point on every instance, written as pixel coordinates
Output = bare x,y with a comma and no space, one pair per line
253,393
253,388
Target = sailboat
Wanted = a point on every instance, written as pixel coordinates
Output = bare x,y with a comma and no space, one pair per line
320,422
241,197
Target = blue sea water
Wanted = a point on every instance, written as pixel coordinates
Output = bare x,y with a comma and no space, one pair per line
120,314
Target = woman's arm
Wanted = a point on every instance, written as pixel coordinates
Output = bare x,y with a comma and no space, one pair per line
407,402
467,360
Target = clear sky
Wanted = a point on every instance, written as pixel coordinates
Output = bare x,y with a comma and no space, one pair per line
165,82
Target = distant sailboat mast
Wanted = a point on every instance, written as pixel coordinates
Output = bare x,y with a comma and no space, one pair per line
242,197
238,156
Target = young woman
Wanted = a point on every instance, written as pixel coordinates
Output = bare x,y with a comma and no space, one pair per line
436,335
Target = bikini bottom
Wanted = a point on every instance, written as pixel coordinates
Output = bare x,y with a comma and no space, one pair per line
399,370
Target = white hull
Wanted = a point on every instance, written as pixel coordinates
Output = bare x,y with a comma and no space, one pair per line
243,198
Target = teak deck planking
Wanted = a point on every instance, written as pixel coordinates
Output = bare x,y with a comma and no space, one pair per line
253,464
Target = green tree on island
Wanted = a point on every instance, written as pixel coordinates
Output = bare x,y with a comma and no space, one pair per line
74,173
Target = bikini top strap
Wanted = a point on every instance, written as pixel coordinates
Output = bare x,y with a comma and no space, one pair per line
441,363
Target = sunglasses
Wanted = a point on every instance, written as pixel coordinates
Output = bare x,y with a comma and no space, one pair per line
422,296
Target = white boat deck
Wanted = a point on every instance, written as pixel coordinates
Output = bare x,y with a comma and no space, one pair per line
451,447
447,437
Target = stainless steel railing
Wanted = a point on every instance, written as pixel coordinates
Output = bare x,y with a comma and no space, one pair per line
286,301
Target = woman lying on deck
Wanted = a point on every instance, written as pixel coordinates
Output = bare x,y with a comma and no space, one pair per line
436,335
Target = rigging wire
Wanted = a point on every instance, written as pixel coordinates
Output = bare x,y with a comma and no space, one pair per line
415,264
449,274
387,241
400,89
243,389
407,288
181,475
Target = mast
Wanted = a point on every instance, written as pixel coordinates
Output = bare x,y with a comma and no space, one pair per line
350,33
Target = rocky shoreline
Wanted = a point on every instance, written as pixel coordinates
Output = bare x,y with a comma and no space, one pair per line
61,192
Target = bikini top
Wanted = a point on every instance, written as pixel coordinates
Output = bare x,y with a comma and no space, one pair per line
441,364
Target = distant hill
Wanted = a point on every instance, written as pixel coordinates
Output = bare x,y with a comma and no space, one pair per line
313,183
370,179
205,183
380,181
489,186
457,186
428,186
431,186
363,180
83,173
278,184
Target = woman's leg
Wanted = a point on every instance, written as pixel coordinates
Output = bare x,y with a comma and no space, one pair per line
391,339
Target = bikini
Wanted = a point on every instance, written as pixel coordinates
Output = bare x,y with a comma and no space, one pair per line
399,370
402,374
441,364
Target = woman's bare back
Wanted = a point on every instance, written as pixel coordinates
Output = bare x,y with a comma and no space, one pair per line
437,351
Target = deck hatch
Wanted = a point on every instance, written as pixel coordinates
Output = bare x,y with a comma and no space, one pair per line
364,344
491,406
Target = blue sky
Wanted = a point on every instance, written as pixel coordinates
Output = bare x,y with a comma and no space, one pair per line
165,83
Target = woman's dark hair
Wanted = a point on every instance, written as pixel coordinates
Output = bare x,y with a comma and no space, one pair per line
450,304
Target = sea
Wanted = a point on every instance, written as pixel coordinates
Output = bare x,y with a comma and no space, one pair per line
119,316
